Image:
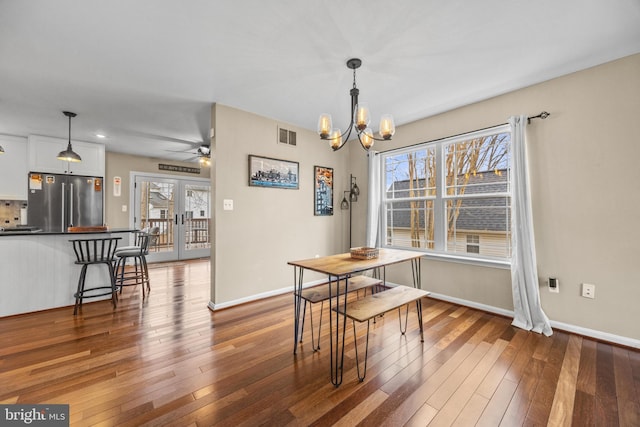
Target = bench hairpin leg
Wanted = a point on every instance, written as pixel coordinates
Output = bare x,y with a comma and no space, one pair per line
304,316
419,309
366,351
313,340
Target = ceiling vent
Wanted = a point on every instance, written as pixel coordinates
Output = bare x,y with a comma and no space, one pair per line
286,136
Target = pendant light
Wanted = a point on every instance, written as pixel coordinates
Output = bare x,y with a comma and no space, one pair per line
69,155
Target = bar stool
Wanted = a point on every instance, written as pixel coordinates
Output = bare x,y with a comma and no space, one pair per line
140,274
94,252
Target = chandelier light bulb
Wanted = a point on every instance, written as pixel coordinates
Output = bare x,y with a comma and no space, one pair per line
366,137
387,126
324,125
362,118
336,139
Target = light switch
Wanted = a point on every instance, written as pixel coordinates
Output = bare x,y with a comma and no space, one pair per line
124,208
227,204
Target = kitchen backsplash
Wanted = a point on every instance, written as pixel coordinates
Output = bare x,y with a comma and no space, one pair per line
10,212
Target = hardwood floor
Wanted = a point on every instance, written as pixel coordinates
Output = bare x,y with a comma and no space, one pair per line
169,360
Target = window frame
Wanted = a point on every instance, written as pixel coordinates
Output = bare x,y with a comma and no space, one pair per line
440,200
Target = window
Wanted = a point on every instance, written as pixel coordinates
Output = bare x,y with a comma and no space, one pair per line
451,196
473,243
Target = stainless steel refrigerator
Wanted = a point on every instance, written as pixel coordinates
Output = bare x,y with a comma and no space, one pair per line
59,201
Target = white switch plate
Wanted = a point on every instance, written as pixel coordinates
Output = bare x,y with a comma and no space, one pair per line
124,208
227,204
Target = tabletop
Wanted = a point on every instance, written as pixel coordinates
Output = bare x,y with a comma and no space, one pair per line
342,264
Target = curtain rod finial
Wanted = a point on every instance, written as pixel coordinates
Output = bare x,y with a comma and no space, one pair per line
542,116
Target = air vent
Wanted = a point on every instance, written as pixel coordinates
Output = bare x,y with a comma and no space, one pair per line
286,136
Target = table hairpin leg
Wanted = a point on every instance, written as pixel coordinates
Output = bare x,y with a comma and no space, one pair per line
337,352
415,271
297,305
417,281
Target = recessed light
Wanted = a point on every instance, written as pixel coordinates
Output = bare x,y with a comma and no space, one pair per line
101,136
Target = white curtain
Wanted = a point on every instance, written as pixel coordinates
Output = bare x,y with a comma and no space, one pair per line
528,312
373,206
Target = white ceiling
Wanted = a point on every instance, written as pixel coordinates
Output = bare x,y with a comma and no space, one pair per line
145,72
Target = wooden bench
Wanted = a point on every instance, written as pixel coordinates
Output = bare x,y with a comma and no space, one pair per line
320,294
371,306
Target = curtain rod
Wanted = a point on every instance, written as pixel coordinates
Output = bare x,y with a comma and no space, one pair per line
543,115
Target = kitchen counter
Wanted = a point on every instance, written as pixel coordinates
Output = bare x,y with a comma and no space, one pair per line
14,232
38,270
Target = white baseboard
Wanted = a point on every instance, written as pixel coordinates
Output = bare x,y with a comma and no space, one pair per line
591,333
213,306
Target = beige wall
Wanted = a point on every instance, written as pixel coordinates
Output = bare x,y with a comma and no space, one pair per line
121,165
585,191
268,226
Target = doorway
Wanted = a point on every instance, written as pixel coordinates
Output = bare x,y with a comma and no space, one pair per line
180,209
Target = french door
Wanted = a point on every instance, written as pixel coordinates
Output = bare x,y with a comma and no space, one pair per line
179,209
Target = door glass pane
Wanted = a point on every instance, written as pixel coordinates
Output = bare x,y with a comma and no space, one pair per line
197,217
157,209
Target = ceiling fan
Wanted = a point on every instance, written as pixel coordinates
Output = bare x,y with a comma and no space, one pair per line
204,155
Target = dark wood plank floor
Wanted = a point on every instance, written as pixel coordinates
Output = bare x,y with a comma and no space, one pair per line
169,360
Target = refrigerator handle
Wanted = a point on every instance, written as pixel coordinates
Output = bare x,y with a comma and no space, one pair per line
62,204
182,216
71,206
176,221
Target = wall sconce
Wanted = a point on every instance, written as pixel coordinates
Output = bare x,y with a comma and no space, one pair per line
353,192
345,204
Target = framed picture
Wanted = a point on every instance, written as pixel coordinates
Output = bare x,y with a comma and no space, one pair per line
274,173
322,190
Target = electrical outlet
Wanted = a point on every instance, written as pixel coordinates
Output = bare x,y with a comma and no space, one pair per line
227,204
554,285
588,290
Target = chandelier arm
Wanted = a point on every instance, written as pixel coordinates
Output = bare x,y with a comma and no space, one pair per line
360,141
373,137
344,139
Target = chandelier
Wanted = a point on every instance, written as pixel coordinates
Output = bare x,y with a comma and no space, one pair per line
359,121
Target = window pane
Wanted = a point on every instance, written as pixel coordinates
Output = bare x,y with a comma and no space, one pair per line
411,174
410,224
478,165
486,221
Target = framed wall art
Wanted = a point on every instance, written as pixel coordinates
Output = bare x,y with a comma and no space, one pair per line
322,190
274,173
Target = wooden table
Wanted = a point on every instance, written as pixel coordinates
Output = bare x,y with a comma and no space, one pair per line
342,267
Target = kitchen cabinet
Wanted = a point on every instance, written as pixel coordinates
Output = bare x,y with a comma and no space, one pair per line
43,150
13,168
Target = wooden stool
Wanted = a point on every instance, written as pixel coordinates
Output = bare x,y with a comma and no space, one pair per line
140,274
94,252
